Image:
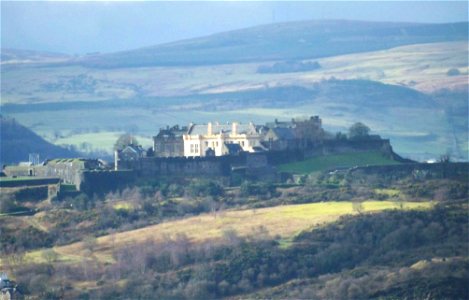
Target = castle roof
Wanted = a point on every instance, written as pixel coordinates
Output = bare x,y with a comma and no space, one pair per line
175,131
284,133
233,149
202,129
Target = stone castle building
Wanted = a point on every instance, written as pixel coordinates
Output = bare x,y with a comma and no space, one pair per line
169,142
214,139
295,134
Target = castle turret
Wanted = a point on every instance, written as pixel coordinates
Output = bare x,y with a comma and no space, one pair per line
234,128
116,160
209,129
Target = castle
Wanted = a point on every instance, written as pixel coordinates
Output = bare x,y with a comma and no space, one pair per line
215,139
212,150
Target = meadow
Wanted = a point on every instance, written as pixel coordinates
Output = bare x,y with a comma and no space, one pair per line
98,141
282,221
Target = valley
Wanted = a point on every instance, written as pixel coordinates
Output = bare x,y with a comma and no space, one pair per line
145,99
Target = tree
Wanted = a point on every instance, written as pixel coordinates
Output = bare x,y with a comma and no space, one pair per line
453,72
358,131
340,136
7,203
124,140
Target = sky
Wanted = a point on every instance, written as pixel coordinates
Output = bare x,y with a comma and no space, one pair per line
79,27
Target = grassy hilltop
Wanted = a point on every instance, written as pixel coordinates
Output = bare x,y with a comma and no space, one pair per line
284,41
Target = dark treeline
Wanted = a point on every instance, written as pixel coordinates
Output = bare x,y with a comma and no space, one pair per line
289,67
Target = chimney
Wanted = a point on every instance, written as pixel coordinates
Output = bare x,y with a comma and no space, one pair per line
116,160
209,128
234,128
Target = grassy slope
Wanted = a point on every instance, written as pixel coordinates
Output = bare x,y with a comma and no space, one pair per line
284,41
101,141
285,221
421,66
323,163
17,142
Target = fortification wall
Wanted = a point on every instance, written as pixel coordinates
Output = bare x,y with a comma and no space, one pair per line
31,181
68,173
101,182
181,166
423,170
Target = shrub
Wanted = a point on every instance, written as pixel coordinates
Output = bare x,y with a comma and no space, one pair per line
453,72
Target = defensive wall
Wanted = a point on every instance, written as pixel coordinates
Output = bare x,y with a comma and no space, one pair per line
256,165
329,147
103,181
422,170
215,166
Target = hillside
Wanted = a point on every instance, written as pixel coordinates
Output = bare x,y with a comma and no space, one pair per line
393,90
422,67
17,56
17,142
200,238
395,112
284,41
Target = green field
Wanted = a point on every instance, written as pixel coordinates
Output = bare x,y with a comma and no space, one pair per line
98,141
324,163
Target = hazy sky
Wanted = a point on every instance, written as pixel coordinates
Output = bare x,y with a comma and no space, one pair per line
83,27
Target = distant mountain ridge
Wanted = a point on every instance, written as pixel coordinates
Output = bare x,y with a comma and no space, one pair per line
9,56
17,142
282,41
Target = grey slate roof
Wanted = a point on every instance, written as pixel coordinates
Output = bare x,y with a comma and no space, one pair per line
233,148
174,132
284,133
219,128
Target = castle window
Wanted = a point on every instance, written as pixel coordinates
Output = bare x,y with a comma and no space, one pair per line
196,148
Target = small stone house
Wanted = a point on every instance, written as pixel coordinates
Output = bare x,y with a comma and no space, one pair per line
8,289
132,152
280,138
169,142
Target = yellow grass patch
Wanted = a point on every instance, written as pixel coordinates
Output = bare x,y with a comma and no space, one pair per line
284,221
123,206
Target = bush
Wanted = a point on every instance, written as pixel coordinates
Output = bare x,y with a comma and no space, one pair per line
453,72
205,188
289,67
259,189
7,203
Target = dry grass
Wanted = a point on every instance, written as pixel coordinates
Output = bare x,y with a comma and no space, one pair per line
285,221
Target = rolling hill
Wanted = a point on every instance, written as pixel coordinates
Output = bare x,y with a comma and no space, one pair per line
284,41
18,56
17,142
391,76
